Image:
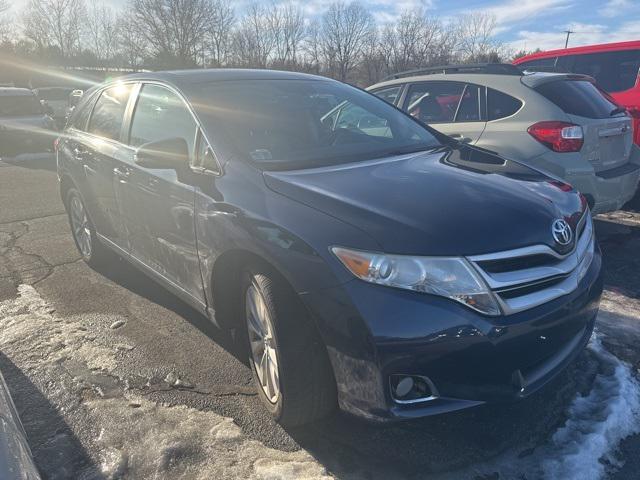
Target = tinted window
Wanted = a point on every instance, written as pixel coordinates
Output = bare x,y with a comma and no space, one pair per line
19,105
205,158
580,98
434,102
304,123
537,63
614,71
161,114
389,95
108,113
501,105
469,109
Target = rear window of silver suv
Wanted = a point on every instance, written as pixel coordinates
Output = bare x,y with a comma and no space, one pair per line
578,97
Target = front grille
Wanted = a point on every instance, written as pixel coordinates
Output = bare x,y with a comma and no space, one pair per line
527,277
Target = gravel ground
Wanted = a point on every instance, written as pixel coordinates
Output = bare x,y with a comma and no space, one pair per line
116,378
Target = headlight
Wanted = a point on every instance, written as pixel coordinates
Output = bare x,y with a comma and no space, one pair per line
450,277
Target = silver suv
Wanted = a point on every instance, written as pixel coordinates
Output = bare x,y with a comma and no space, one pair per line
561,124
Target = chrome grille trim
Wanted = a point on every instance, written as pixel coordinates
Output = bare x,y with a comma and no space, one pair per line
568,269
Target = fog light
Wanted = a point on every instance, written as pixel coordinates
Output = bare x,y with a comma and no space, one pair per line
412,388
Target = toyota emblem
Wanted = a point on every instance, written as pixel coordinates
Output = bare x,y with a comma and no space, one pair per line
562,232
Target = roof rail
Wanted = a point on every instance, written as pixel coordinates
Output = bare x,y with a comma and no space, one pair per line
492,68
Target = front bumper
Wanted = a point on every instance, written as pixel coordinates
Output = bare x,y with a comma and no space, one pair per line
373,332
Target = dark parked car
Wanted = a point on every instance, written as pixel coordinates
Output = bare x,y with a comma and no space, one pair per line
57,99
364,259
24,125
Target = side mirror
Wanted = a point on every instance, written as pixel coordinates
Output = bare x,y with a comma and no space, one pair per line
170,153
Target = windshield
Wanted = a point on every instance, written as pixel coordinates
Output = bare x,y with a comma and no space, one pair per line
306,123
22,105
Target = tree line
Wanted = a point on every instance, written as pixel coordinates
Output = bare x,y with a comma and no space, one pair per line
344,42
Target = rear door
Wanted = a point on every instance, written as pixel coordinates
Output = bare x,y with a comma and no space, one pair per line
453,108
608,133
101,153
160,202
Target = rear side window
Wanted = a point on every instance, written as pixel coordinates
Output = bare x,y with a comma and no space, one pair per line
81,114
501,105
434,102
614,71
389,95
108,113
579,98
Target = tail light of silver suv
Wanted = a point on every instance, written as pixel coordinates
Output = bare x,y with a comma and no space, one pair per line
558,136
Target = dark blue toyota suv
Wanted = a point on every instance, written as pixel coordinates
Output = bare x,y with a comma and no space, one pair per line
361,258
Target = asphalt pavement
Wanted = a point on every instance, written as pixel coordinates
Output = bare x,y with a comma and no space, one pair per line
116,378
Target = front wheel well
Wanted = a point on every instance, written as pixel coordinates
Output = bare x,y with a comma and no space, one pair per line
65,185
226,279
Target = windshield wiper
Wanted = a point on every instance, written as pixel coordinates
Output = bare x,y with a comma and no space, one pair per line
617,111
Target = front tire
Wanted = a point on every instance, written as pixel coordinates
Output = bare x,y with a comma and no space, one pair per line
289,362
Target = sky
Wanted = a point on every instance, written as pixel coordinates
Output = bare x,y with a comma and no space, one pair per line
521,24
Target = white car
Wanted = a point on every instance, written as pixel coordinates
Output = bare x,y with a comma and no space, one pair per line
562,124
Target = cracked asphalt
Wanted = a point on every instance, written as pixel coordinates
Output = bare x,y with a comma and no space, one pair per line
116,378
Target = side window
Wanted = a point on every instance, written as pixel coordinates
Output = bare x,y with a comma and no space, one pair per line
205,158
357,119
389,94
108,113
469,109
434,102
501,105
161,114
81,116
542,63
613,71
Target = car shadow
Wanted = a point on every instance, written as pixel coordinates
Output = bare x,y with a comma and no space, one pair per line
127,276
57,451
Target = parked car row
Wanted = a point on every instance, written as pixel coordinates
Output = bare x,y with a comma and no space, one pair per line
30,119
559,123
362,258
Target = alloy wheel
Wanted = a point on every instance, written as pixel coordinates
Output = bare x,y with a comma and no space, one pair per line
80,226
262,343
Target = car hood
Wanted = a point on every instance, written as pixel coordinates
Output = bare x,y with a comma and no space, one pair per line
464,201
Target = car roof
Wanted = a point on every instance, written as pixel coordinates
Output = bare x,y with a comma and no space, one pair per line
602,47
15,92
184,78
485,79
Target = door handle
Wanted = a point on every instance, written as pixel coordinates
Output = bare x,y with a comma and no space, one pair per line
460,137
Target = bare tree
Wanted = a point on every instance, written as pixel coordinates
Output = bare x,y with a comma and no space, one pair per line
287,24
132,45
345,29
475,34
55,23
174,29
102,32
254,41
219,34
5,20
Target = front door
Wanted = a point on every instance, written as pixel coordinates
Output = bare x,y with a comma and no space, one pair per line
160,202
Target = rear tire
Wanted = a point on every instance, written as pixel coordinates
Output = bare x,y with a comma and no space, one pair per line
83,231
292,355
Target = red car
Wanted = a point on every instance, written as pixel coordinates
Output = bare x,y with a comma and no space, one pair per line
615,66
